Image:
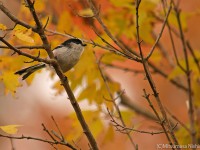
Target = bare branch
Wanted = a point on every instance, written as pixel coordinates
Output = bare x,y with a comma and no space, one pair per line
113,99
23,47
181,123
117,51
125,130
63,78
160,34
62,137
188,75
15,19
152,84
19,52
107,31
38,139
196,60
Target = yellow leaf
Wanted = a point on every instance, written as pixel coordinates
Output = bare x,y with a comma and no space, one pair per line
29,32
176,72
183,17
124,3
20,28
23,34
2,27
10,81
57,86
109,135
6,61
127,116
10,129
86,12
92,119
87,94
145,33
110,57
156,57
24,37
64,22
196,93
40,6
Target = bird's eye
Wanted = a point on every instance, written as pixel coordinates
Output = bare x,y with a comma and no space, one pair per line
69,45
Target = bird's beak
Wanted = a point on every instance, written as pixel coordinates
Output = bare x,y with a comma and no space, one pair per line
84,44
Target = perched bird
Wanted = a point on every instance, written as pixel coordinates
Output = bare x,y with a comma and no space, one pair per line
67,54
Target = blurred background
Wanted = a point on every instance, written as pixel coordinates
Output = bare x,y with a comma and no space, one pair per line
34,104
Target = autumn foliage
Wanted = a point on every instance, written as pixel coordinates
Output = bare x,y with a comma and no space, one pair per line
138,74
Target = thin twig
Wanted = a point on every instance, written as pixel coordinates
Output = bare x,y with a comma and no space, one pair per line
170,30
117,51
164,51
160,34
196,60
19,52
155,68
12,144
108,32
159,71
113,100
152,84
188,75
125,69
38,139
161,121
123,129
38,56
181,123
15,19
47,131
23,47
63,78
46,23
58,128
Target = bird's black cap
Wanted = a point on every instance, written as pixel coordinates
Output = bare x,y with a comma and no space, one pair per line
77,41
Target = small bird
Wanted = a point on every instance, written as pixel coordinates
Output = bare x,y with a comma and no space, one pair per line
67,54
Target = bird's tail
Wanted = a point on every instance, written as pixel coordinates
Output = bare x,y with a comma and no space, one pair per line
29,70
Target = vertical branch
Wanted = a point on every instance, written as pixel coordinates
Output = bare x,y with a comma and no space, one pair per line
172,40
196,60
151,82
188,73
162,121
108,32
160,34
64,80
113,101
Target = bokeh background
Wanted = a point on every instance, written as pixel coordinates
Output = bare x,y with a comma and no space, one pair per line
34,104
